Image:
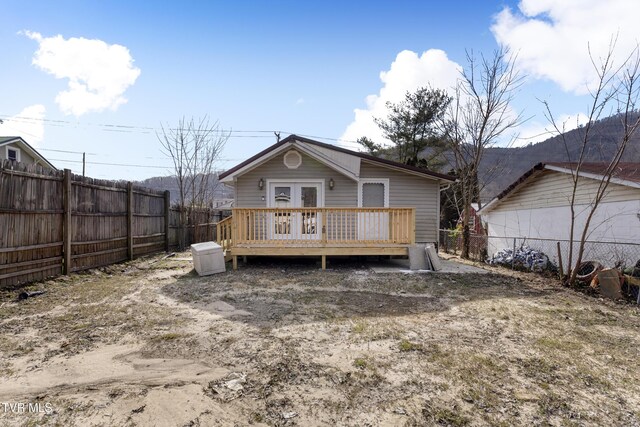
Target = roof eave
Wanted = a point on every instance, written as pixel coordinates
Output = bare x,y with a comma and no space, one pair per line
595,176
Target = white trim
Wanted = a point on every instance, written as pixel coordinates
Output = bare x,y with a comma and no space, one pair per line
407,171
256,163
438,221
488,207
495,201
325,160
298,162
16,149
296,218
384,181
293,183
595,176
37,157
300,147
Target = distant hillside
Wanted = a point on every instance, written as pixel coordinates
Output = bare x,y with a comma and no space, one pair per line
502,166
170,183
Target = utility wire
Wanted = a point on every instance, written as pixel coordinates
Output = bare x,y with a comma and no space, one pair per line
112,164
147,129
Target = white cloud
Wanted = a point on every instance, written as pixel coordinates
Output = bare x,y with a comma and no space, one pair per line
408,72
27,123
552,38
98,73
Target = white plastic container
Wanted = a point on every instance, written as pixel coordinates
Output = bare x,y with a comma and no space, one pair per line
207,258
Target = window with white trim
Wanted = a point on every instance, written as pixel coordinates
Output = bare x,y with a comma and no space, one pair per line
13,154
292,159
373,193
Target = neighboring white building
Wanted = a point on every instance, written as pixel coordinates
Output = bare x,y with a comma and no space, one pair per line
16,149
537,206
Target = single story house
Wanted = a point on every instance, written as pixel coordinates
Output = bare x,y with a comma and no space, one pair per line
16,149
537,206
302,197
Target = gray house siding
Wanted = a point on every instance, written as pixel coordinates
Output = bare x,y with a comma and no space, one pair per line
406,191
248,195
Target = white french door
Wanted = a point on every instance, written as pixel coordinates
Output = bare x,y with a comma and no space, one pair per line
301,224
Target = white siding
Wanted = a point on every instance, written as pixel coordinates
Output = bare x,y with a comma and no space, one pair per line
553,189
541,210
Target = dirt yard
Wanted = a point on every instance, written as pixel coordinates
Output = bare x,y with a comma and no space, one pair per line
150,343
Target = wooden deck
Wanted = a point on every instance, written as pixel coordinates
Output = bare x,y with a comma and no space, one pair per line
316,232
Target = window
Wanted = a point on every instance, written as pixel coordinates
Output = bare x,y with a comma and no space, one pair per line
373,193
13,154
292,159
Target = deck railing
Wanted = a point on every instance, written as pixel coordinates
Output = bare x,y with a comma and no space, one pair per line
224,233
322,226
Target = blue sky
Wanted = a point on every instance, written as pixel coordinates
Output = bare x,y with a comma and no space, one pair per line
312,68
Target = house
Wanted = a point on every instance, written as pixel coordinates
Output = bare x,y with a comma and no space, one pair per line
537,206
475,224
16,149
301,197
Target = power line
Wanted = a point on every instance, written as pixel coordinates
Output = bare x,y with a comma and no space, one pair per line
147,129
66,151
113,164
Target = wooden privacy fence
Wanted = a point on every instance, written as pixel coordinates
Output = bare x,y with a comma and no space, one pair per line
201,225
55,222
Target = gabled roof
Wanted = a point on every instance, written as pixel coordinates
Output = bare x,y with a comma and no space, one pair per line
6,140
321,152
627,174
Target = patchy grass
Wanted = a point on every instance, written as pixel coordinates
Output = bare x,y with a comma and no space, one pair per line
291,345
360,363
406,345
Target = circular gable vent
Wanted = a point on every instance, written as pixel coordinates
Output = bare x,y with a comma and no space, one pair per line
292,159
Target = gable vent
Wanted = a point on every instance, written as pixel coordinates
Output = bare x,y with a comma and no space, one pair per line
292,159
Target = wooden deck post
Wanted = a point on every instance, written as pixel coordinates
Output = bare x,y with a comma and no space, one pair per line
413,225
130,220
167,208
324,262
66,226
234,259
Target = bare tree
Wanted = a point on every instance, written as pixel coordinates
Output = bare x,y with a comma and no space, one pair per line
194,146
478,118
615,92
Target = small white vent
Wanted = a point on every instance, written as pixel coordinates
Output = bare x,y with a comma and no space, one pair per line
292,159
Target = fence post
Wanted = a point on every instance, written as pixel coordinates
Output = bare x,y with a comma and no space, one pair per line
513,254
560,261
130,220
167,207
66,226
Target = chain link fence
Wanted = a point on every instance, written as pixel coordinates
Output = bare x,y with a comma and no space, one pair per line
539,254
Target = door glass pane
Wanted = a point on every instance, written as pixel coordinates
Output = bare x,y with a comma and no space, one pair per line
282,197
373,195
309,200
282,220
309,197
